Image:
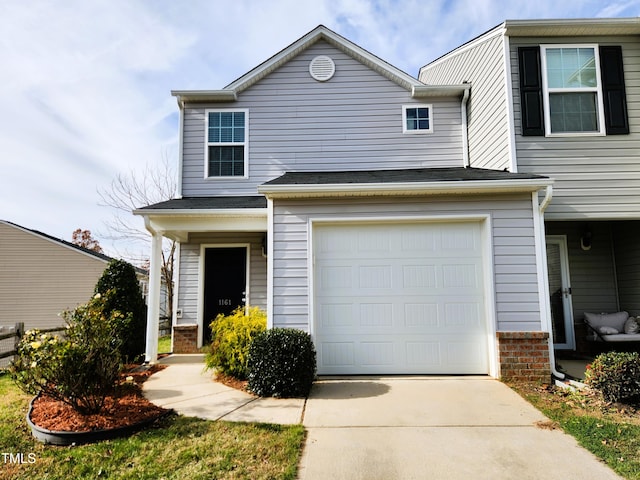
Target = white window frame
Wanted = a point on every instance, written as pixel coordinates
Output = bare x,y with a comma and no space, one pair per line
418,131
546,91
208,144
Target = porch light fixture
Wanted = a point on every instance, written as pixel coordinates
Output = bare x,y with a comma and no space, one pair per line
585,239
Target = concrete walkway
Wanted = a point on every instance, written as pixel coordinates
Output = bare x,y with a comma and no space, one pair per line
189,389
395,427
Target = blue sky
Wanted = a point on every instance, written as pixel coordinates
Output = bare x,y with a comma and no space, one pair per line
85,85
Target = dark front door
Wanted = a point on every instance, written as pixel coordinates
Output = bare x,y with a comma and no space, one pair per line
225,283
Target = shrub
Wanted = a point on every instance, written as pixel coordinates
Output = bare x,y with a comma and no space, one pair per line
79,367
616,375
120,282
232,335
282,363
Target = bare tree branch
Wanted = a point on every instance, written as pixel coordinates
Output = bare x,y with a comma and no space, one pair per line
128,192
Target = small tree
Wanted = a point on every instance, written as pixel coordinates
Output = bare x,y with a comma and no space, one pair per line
119,285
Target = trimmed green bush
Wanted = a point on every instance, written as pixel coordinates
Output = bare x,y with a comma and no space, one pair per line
282,363
616,375
79,367
120,282
232,335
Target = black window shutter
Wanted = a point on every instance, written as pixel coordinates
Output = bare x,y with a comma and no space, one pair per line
613,91
531,91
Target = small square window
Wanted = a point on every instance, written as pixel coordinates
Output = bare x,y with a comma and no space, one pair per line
417,119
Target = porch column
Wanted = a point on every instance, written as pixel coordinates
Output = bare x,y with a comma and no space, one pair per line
153,307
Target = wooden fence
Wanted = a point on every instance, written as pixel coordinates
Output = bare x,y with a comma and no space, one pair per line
17,333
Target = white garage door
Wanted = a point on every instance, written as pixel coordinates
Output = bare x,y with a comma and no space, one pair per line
399,298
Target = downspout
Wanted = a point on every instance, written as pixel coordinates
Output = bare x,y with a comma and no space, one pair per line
180,146
465,128
270,267
544,295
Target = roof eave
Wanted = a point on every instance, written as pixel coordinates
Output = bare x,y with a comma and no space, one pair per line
403,189
179,224
323,33
430,91
204,96
573,26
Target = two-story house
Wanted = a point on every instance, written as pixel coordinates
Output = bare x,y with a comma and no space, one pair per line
560,98
336,192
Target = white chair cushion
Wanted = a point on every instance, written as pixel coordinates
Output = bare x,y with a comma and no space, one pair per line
613,320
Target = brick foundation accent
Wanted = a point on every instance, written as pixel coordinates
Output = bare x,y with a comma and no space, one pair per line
524,356
185,339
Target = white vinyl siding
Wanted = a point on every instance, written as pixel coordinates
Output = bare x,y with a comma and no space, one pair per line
514,261
596,177
190,283
482,65
351,122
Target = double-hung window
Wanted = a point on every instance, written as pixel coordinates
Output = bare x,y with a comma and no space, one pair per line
226,150
417,119
572,89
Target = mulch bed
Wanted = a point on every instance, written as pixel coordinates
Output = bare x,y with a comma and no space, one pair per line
232,382
126,407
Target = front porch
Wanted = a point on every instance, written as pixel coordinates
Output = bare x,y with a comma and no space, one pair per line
594,266
221,263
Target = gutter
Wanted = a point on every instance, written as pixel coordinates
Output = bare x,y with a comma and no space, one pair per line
205,212
401,188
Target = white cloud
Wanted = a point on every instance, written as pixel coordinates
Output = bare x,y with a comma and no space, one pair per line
85,85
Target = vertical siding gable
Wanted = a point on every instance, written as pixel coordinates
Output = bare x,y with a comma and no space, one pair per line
483,66
353,121
595,177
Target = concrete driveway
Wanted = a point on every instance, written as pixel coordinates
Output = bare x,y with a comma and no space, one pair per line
394,427
435,428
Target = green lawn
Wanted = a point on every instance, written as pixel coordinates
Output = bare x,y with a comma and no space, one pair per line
610,432
164,344
178,448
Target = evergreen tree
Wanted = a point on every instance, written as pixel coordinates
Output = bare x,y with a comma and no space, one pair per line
121,289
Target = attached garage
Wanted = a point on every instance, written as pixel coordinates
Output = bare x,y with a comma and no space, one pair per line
400,298
422,271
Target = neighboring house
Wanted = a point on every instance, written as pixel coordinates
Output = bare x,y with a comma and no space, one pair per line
333,190
561,98
42,276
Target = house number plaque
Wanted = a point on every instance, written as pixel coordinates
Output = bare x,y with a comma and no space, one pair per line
224,301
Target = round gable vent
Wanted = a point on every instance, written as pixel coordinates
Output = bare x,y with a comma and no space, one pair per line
322,68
